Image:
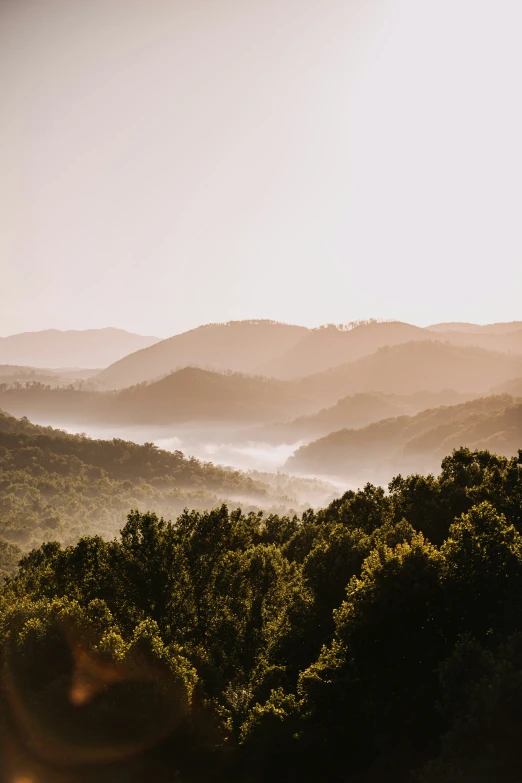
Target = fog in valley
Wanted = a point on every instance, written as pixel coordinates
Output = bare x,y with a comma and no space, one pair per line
341,405
238,476
260,391
205,442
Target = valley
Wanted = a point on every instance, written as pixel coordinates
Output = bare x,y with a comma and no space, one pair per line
357,402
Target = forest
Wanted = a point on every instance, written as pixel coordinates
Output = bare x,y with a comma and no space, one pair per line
53,484
352,617
250,533
375,639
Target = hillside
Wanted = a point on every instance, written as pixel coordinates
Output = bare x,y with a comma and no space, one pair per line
54,348
63,406
415,367
408,443
283,351
61,486
329,346
375,640
459,326
196,394
353,412
505,342
11,374
188,395
238,345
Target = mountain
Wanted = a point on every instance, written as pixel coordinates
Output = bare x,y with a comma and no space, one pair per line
184,396
60,349
353,412
415,367
505,342
195,394
459,326
240,346
284,351
414,443
329,346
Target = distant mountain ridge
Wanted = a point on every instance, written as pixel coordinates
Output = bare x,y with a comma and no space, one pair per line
415,443
188,395
288,352
413,367
462,326
355,411
195,394
504,342
239,346
11,374
89,348
320,349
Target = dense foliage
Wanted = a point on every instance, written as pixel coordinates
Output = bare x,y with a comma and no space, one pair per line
60,486
378,639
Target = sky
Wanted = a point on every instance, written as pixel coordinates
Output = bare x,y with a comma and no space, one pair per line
168,163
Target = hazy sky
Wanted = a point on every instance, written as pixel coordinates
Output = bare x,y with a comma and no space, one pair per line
166,163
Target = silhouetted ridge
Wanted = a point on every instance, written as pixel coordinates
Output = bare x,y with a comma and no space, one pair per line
496,328
287,352
237,345
397,444
414,367
194,392
330,346
354,411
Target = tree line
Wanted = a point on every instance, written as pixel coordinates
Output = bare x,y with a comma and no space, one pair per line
59,486
377,639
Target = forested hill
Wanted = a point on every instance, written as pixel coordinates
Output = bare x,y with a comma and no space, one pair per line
195,394
288,352
329,346
237,346
61,486
13,375
377,640
413,367
419,442
354,411
190,394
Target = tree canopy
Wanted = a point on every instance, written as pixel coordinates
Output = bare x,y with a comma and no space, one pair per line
376,639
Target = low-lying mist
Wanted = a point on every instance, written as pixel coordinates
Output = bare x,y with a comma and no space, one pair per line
210,444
